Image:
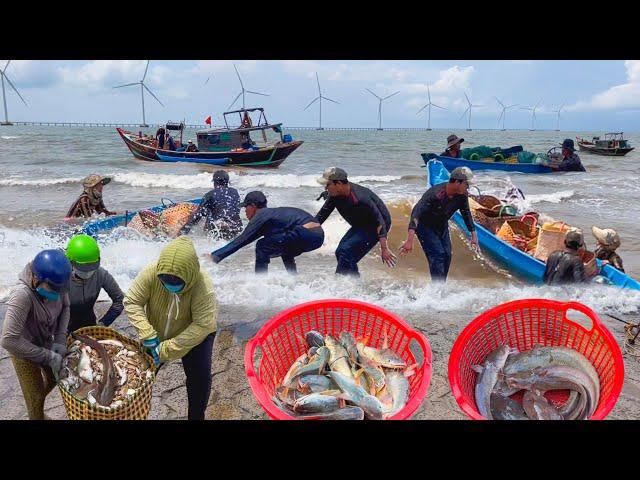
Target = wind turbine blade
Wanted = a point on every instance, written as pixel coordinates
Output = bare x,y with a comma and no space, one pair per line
318,80
236,99
526,108
500,117
514,105
207,81
428,93
465,112
331,100
389,96
438,106
422,108
238,74
14,88
151,93
6,66
468,101
373,94
257,93
145,71
312,102
501,104
127,85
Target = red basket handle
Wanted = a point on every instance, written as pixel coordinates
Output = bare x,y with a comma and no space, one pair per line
535,220
593,316
249,353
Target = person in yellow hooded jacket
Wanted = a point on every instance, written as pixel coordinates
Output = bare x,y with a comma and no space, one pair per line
173,306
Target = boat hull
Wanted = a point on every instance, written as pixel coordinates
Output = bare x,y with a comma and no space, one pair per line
519,263
475,165
264,158
609,152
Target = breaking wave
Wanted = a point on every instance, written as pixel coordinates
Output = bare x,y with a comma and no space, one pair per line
11,182
9,137
555,197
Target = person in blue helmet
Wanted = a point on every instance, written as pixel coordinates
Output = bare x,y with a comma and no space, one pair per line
35,327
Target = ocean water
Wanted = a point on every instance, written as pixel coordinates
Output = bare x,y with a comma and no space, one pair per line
41,169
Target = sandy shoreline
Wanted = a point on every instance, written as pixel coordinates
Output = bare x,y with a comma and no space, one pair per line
231,397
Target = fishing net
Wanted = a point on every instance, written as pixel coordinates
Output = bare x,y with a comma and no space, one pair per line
145,222
136,407
174,218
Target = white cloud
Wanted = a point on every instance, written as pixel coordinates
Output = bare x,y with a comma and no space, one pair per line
100,75
620,96
220,66
32,73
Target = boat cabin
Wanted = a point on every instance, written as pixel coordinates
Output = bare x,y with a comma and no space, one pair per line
238,137
611,141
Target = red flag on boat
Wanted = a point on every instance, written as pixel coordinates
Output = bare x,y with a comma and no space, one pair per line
208,120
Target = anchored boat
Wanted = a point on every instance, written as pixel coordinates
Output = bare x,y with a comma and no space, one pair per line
517,261
229,146
614,144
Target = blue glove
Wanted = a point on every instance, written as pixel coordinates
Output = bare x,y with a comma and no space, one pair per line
152,346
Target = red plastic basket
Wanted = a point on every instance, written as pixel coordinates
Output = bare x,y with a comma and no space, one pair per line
524,323
281,341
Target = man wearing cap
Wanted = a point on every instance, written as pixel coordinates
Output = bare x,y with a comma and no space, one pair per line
191,147
90,201
366,213
565,266
220,207
570,160
286,232
430,221
608,241
453,147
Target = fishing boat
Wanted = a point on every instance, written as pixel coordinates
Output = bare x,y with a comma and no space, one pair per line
518,262
478,165
229,146
614,144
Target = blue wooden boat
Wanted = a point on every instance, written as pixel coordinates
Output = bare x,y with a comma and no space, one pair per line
109,223
517,261
451,163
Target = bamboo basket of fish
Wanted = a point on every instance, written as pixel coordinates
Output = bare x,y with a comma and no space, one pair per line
134,406
533,340
272,353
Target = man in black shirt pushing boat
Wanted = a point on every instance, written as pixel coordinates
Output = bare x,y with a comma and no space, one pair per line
430,221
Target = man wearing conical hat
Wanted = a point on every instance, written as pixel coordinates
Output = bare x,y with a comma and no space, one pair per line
608,241
90,201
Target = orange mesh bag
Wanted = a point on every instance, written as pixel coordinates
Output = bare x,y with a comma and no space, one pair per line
550,239
174,218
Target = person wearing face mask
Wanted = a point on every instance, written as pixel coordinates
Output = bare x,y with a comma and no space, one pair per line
86,282
35,327
90,201
172,305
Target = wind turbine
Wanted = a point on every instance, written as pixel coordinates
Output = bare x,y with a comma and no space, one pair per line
503,114
380,105
242,92
319,97
558,112
468,110
143,87
429,105
3,77
533,115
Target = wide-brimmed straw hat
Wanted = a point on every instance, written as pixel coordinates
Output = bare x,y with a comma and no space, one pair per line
606,236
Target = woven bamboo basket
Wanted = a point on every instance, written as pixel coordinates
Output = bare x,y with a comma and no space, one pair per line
590,265
135,408
551,239
486,201
174,218
492,224
520,233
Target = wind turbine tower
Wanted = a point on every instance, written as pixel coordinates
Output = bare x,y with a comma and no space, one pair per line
143,87
558,112
469,110
533,115
503,114
319,97
380,100
3,77
430,104
243,91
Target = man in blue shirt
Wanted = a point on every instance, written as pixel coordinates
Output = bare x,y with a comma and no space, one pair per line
570,160
286,232
221,209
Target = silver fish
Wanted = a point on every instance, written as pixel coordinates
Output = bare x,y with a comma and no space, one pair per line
540,356
314,339
384,357
314,365
349,343
317,403
505,408
538,408
358,396
487,378
398,387
338,360
346,413
573,406
299,362
315,383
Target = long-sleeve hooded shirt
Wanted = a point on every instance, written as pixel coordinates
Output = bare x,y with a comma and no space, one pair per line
571,163
221,203
361,209
183,320
435,208
266,222
32,324
564,267
83,295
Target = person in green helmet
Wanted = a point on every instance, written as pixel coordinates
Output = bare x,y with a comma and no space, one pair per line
87,279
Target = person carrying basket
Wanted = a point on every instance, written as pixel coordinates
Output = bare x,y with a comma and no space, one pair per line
174,308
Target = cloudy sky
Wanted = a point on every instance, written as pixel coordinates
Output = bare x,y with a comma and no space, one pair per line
598,95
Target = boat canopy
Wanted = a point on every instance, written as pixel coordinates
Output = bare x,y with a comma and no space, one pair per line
174,126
